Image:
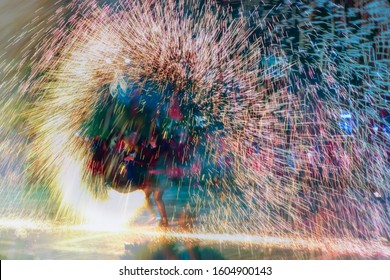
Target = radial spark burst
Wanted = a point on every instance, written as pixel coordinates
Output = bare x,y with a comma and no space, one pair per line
302,147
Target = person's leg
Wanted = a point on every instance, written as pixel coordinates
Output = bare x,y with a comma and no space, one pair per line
148,191
148,203
158,194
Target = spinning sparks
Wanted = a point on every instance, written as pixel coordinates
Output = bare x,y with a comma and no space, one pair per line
291,117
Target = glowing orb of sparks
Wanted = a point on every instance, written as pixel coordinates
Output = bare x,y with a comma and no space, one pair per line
91,55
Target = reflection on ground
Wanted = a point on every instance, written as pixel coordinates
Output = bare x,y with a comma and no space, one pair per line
27,240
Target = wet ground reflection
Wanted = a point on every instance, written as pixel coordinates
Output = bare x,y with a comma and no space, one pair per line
169,250
141,243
